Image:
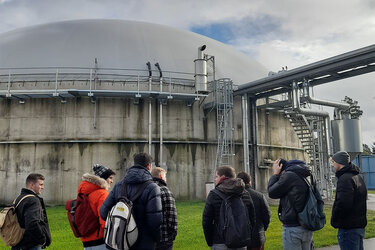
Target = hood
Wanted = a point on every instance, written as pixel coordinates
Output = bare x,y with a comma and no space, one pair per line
232,186
91,183
350,168
298,167
137,174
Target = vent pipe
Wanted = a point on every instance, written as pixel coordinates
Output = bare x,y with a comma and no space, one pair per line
200,71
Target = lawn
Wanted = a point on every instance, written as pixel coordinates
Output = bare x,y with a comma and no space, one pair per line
190,233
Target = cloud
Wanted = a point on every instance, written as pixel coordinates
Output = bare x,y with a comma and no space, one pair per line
289,33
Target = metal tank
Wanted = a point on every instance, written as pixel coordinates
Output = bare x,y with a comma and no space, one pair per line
347,135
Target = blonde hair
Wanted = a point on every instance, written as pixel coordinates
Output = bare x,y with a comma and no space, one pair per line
156,171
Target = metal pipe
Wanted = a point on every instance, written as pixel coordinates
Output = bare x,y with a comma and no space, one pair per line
308,98
296,104
161,133
245,134
253,140
327,125
150,119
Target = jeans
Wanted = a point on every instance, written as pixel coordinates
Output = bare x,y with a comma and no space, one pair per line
224,247
297,238
99,247
351,239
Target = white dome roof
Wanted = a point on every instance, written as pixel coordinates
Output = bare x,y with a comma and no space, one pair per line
120,44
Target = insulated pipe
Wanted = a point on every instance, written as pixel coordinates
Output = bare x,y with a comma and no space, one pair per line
161,133
324,114
308,98
200,71
149,110
245,134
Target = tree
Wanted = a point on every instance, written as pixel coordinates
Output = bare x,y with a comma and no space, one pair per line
367,149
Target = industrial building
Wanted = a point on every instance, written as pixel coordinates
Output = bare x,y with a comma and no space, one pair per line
76,93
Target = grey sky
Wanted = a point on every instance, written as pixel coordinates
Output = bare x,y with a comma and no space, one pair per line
276,33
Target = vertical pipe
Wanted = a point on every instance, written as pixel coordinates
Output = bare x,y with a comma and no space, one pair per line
161,132
149,120
245,134
161,124
253,139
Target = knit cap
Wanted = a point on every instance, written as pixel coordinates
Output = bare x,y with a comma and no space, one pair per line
102,171
341,157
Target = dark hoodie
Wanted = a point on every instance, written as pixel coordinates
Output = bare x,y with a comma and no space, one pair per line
147,209
211,213
349,208
291,189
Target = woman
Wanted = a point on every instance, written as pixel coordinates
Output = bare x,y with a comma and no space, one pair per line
96,187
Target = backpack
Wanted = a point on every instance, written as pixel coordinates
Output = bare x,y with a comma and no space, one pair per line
234,226
10,230
82,218
120,231
312,216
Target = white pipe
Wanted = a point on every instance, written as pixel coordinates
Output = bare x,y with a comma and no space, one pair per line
149,120
161,133
245,134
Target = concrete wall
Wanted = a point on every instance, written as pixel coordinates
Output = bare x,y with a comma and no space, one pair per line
60,141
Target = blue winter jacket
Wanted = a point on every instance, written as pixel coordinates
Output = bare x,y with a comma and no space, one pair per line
147,209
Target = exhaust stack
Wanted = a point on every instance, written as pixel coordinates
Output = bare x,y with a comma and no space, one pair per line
201,71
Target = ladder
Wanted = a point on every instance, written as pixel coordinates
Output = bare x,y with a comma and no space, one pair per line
223,100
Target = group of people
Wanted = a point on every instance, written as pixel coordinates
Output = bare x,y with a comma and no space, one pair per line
156,215
155,211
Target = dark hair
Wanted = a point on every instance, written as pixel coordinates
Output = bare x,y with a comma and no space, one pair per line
244,176
142,159
227,171
285,164
33,178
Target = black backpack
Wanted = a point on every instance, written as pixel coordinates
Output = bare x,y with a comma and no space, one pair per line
312,216
234,226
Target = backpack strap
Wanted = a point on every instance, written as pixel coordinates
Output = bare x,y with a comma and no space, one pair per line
19,202
139,192
221,194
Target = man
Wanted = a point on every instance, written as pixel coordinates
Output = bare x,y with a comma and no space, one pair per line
229,185
169,226
147,208
349,207
96,187
32,216
287,184
262,214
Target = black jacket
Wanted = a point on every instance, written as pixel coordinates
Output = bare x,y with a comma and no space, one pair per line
211,213
32,216
262,219
349,208
291,189
147,209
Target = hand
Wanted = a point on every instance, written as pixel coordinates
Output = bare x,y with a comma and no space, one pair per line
277,167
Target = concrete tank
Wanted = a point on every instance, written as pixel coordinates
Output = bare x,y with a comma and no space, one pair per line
61,133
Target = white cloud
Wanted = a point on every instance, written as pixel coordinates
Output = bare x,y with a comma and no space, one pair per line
276,33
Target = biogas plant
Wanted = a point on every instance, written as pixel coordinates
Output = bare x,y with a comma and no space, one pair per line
76,93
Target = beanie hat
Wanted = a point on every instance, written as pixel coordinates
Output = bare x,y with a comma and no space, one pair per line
341,157
102,171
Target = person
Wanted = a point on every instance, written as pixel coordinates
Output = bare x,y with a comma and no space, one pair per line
349,207
287,184
96,186
226,183
147,208
169,226
262,214
32,216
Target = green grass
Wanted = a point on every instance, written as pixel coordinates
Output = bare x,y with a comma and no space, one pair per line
190,232
371,191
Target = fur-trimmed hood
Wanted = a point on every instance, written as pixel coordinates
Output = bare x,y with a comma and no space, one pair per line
91,183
